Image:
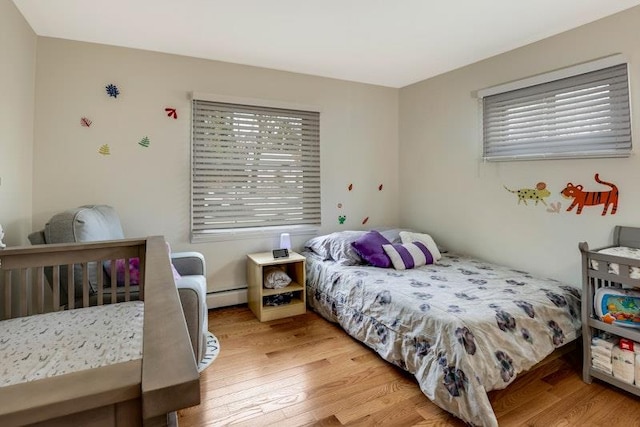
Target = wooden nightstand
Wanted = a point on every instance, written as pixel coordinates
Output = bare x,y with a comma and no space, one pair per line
294,265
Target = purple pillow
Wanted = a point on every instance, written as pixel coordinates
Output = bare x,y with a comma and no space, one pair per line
369,247
134,271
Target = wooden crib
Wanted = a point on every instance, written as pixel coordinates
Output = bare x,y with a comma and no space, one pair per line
132,393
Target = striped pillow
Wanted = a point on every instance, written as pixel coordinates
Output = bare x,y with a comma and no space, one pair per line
408,255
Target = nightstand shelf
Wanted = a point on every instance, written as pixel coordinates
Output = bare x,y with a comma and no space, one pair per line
290,288
294,266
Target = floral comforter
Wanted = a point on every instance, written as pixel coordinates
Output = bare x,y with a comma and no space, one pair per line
463,327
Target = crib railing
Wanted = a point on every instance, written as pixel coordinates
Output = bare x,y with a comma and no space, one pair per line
40,278
139,393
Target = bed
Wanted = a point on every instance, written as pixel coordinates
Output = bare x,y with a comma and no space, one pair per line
123,358
461,326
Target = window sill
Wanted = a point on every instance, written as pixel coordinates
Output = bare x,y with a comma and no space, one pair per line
253,233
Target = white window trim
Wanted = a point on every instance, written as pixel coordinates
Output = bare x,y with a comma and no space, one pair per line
254,233
574,70
256,102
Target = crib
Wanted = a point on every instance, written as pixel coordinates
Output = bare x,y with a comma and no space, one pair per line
606,267
145,390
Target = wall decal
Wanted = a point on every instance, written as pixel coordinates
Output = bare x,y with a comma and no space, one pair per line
339,205
144,141
350,187
85,122
538,194
104,150
364,221
112,90
555,207
171,112
591,198
2,244
341,219
380,187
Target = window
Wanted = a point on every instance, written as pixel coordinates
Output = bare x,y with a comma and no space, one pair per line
253,167
581,114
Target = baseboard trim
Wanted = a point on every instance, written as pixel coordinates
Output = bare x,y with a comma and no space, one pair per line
226,298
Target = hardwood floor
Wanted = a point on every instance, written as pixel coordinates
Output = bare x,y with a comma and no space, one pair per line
304,370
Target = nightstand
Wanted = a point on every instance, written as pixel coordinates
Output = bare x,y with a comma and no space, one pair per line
294,266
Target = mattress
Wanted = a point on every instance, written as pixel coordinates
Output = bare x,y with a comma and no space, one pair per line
621,251
462,326
46,345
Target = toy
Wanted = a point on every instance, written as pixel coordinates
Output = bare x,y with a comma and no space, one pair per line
618,306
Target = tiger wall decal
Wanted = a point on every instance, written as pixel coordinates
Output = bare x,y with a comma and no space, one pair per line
591,198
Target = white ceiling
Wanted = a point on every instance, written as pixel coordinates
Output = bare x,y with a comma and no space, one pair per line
384,42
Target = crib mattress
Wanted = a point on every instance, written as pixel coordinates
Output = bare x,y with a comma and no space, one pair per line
46,345
621,251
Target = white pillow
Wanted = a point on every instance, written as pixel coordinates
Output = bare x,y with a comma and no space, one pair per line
425,239
408,255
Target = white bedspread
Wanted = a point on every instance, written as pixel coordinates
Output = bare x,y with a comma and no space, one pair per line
622,251
46,345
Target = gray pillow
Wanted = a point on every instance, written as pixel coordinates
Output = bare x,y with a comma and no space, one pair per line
393,234
320,246
86,223
342,251
337,247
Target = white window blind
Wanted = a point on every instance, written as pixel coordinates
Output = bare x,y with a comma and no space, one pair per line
253,167
585,115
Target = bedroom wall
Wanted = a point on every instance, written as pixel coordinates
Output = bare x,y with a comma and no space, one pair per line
449,192
150,187
17,74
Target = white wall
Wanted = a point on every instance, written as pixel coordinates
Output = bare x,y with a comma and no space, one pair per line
17,74
433,180
448,191
149,187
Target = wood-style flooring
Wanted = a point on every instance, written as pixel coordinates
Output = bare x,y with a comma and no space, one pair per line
304,371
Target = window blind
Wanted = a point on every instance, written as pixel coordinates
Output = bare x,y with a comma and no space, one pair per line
253,167
586,115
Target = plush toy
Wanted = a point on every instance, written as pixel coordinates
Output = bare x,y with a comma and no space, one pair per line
2,245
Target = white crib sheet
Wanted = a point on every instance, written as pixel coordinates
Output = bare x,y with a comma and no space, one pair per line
622,251
46,345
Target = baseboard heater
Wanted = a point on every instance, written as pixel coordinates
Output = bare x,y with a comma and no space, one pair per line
227,297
